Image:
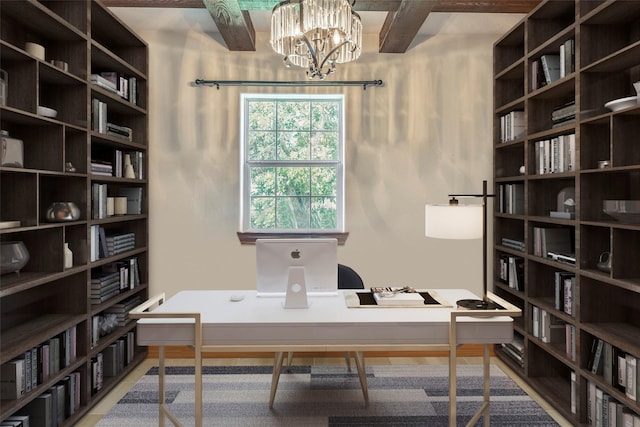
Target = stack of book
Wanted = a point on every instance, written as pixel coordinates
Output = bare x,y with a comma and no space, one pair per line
513,243
511,198
119,131
100,81
99,167
515,349
119,243
564,114
121,310
104,286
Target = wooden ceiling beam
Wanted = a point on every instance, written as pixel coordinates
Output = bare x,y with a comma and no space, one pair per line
400,27
234,24
461,6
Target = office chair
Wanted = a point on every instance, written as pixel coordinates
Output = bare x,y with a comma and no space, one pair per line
347,279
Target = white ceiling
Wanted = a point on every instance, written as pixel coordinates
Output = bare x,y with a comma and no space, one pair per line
181,20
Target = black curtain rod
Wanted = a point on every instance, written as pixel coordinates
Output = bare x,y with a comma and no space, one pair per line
218,83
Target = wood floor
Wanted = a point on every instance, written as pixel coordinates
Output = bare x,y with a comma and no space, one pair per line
105,405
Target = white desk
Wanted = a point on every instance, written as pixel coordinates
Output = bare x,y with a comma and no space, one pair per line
209,321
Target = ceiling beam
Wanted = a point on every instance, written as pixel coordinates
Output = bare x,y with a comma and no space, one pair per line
461,6
234,24
401,27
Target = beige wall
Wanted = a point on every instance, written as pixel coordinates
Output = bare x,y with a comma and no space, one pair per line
425,134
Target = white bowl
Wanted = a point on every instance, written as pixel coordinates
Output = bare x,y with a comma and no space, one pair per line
622,103
35,49
47,112
636,85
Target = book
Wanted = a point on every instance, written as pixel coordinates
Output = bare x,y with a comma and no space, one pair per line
397,296
12,380
550,67
631,385
134,199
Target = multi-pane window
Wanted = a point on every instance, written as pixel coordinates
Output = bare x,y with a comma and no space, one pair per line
292,162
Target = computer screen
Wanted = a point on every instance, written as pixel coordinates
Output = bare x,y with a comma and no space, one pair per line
318,256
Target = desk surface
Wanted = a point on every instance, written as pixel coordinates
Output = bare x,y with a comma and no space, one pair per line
262,321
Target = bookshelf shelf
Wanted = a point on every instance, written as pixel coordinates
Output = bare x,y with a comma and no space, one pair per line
49,305
605,302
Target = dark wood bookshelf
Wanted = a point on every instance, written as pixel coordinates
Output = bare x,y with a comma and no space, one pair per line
46,299
606,43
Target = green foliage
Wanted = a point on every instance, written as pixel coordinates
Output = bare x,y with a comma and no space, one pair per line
301,195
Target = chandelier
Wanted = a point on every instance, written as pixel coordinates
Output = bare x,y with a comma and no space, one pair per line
316,34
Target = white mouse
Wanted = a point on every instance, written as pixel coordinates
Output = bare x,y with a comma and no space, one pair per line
236,297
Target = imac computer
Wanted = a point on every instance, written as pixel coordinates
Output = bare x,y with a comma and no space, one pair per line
312,261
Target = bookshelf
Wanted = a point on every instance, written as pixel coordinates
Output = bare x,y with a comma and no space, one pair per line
52,313
556,159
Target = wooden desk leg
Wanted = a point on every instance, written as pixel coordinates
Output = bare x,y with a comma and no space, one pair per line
275,377
161,398
487,389
362,374
452,375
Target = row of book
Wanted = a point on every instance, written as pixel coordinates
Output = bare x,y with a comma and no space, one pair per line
603,410
553,66
512,125
550,242
23,374
100,208
114,278
618,368
564,291
120,84
51,408
555,155
100,123
103,246
511,271
114,164
112,360
511,198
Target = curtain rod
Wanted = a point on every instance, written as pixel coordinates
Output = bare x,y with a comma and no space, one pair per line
218,83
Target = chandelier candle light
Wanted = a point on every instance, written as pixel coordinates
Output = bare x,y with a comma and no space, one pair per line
316,34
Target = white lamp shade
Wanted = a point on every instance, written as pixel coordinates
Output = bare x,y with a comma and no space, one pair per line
453,221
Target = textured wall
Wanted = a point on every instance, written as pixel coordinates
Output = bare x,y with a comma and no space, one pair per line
426,134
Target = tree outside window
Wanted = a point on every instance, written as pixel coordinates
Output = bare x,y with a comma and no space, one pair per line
292,163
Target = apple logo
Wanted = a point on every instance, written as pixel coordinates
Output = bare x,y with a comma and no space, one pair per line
295,254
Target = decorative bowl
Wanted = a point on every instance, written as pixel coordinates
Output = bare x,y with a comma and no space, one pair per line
13,257
63,211
47,112
627,211
622,103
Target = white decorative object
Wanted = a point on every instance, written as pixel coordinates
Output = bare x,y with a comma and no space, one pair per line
622,103
4,87
12,151
68,256
110,206
35,49
47,112
128,167
120,205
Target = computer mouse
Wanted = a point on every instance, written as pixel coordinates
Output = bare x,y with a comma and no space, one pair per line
236,297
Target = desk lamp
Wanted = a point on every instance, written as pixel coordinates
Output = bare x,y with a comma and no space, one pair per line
456,221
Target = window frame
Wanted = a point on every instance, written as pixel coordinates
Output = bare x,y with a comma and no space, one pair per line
246,233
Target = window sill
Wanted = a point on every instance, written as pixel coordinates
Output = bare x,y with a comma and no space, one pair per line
249,238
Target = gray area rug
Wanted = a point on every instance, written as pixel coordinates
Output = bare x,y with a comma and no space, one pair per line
327,396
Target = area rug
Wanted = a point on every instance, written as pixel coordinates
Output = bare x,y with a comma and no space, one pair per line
327,396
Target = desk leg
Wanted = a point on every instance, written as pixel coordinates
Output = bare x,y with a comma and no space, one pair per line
277,367
452,376
161,398
487,390
362,374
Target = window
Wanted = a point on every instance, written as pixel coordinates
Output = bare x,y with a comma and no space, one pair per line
292,163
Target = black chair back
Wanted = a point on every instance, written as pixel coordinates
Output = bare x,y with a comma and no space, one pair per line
348,278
